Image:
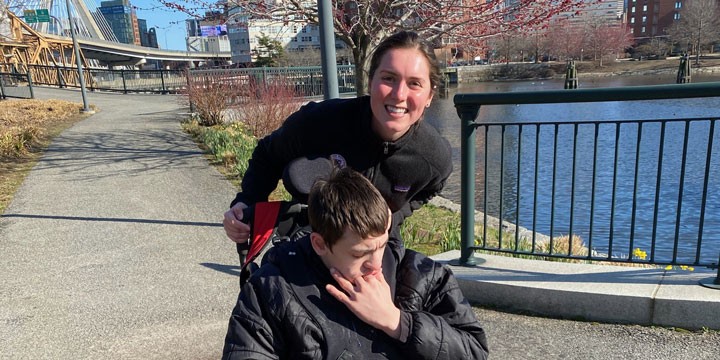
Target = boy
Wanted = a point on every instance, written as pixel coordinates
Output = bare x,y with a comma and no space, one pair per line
341,293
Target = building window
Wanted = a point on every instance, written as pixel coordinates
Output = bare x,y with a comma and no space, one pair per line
632,10
642,30
678,4
632,20
644,7
676,16
644,20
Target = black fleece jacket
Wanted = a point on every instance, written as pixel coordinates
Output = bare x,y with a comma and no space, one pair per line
407,172
284,312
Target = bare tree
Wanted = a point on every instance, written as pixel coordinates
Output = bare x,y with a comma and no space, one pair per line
360,24
699,25
603,39
656,46
565,40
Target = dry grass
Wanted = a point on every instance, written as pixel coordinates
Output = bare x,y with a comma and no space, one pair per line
26,128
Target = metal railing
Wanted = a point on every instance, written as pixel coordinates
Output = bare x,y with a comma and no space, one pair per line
575,172
16,85
126,81
307,81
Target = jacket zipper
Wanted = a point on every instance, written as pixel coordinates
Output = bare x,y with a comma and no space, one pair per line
373,170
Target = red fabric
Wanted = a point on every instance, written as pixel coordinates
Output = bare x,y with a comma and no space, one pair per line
266,214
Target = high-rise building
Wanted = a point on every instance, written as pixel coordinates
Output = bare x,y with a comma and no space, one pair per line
122,20
148,37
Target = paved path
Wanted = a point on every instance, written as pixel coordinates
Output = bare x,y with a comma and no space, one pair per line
113,249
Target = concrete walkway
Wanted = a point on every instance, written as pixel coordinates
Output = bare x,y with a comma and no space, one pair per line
113,248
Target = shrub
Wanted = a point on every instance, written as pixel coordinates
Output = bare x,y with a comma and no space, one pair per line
273,101
211,95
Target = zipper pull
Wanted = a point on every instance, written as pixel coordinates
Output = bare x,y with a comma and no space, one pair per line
385,148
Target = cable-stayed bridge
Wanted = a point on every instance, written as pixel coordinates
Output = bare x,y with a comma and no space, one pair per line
49,42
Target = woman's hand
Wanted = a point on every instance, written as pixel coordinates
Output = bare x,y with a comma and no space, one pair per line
235,229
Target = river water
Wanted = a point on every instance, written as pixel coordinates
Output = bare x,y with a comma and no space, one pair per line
605,216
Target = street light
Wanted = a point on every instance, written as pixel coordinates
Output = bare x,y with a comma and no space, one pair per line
81,77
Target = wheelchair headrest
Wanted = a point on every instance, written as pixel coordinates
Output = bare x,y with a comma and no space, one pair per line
301,173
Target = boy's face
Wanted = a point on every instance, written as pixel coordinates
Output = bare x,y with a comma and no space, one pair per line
352,255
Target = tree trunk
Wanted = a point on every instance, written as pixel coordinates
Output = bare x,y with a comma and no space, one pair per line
361,56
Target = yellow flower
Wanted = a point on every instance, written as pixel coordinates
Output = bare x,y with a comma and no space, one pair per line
638,253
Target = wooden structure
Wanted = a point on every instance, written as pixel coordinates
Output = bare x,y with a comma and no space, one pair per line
49,60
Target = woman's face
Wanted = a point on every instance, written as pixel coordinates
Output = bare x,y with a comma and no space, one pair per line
400,90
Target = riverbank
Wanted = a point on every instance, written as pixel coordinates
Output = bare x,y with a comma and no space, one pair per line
550,70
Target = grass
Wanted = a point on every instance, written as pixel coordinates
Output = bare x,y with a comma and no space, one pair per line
26,129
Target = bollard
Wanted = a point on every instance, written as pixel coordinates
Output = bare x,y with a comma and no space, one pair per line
683,75
571,76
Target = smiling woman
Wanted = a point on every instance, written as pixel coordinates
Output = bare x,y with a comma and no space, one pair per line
381,136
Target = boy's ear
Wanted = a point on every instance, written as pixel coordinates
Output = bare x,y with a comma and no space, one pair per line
318,244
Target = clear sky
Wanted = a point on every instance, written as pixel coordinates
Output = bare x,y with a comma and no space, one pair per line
170,23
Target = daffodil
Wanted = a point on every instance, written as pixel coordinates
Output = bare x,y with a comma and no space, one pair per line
638,253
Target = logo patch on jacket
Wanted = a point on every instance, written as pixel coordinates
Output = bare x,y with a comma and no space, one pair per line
338,160
401,188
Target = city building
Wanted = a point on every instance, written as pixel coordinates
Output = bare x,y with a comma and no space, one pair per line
209,34
148,37
244,33
122,19
648,19
609,12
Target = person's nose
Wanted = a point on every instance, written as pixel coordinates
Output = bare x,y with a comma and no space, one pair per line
374,263
400,90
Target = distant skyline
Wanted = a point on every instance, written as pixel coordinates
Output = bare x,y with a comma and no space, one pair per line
169,23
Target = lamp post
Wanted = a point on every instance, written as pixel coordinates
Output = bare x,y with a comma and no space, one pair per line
78,62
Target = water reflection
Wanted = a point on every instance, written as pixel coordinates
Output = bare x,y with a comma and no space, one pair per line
548,213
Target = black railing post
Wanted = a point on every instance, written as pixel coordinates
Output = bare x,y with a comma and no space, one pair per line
468,114
162,81
2,87
122,75
59,76
710,282
30,85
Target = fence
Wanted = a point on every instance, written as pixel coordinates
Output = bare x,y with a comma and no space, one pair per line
637,161
16,85
307,81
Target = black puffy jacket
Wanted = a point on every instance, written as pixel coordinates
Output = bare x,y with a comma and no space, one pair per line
284,312
407,172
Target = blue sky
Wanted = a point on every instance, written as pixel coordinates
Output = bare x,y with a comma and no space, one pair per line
170,23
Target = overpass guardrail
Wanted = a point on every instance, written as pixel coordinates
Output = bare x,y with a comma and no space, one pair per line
640,167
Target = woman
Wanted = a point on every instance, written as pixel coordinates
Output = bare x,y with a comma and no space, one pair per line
380,135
